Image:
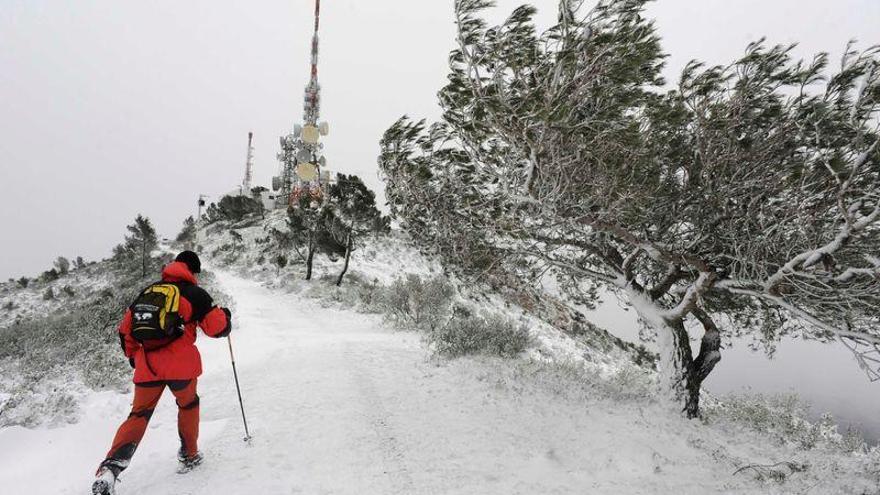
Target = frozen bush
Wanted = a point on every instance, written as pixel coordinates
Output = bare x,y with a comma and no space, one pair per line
471,334
413,302
782,417
369,295
35,401
62,264
80,340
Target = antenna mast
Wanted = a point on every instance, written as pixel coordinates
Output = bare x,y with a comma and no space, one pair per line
249,167
312,98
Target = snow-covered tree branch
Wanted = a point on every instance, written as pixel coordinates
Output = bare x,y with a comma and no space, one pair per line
744,200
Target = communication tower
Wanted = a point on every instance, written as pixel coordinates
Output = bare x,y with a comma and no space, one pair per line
302,154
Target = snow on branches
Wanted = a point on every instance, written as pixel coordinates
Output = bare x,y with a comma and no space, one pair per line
746,199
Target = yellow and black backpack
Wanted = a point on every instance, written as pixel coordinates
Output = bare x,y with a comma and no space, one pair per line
155,317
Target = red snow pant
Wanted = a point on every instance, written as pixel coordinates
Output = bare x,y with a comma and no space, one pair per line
146,396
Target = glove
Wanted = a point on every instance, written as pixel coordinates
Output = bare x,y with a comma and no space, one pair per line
225,333
131,362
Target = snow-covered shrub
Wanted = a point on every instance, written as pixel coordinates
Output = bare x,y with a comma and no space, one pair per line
574,381
187,235
417,303
34,400
49,294
782,418
49,275
76,341
62,264
475,334
369,295
233,209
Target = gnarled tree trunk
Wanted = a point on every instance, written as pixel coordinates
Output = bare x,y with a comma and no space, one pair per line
347,258
681,374
311,256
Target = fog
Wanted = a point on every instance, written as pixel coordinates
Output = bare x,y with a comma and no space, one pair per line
111,108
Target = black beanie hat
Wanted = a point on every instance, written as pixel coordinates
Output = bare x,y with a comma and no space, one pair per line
191,259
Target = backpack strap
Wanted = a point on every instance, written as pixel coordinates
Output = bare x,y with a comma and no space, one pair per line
198,298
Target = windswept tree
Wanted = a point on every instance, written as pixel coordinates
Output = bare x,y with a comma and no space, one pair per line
234,208
310,228
746,200
139,244
355,214
62,264
236,241
187,235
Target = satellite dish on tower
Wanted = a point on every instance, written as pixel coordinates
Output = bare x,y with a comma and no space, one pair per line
310,134
324,128
307,172
303,156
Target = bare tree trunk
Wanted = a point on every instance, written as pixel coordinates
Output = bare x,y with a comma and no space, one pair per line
347,257
686,376
675,359
710,354
144,258
311,256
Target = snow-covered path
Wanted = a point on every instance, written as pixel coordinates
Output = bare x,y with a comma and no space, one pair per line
338,403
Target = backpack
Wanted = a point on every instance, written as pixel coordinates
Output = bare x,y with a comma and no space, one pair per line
154,315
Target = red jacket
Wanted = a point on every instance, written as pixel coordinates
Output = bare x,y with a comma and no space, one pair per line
180,359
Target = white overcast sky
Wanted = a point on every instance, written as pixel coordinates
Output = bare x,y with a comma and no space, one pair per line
110,108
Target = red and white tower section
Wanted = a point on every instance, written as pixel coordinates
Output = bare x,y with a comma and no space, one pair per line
302,154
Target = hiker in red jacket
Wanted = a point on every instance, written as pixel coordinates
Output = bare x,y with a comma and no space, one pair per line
173,362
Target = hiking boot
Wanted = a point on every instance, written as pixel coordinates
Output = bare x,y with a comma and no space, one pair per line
105,481
188,462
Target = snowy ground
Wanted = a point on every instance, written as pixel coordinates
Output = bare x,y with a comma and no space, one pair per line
340,404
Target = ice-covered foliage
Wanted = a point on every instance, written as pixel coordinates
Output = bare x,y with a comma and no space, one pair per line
187,234
417,303
744,200
135,254
58,335
233,209
783,418
467,333
74,341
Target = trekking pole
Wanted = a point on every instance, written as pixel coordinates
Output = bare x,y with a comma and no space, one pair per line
247,435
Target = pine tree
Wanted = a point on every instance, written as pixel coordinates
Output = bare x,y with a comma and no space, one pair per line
139,244
62,264
355,214
749,194
234,209
187,235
